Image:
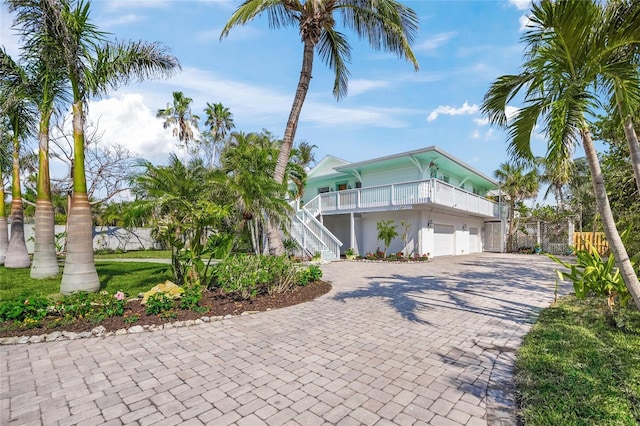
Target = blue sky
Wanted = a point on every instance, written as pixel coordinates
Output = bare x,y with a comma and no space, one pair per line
463,46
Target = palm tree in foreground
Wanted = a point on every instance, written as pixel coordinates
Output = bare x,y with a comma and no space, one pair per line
386,24
16,106
5,167
92,65
562,66
518,185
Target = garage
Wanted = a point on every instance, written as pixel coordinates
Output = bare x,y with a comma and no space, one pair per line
443,240
474,240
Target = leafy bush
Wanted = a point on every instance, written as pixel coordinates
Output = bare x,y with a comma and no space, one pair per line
191,296
312,273
26,306
77,305
247,276
592,274
159,303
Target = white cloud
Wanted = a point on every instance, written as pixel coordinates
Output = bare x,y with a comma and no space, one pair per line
465,109
511,112
433,42
521,4
359,86
129,18
481,121
485,136
127,121
525,23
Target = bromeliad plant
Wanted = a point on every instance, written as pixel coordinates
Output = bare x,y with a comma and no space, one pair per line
592,274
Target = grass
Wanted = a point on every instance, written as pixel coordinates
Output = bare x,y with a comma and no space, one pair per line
141,254
579,365
132,278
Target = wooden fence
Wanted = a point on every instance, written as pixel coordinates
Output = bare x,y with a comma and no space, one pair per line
597,239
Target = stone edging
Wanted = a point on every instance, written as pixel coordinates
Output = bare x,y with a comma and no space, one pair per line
100,331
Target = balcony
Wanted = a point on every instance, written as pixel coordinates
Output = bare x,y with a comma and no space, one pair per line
403,195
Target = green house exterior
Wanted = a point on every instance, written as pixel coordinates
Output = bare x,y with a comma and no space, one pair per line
439,201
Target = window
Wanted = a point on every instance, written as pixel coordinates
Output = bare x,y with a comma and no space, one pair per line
323,190
342,186
358,184
445,178
476,191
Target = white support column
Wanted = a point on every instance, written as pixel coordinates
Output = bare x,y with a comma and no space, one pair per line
352,233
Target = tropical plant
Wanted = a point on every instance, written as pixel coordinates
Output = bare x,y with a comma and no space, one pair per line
219,122
386,24
302,156
178,115
16,105
517,184
386,232
92,66
248,163
46,86
556,173
567,46
174,199
5,170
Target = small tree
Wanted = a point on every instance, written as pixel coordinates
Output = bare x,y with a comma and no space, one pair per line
406,231
386,233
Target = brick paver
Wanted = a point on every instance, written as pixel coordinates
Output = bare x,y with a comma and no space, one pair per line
425,343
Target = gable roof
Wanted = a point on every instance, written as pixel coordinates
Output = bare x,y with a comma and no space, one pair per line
327,166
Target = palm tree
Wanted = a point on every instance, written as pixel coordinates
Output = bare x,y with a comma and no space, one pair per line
178,115
220,122
386,24
16,106
557,174
620,64
519,185
5,167
302,157
562,66
248,163
46,86
179,200
92,66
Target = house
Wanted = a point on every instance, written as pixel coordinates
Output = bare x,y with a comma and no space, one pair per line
438,201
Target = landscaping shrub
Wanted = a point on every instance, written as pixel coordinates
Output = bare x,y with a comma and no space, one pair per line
26,306
248,276
159,304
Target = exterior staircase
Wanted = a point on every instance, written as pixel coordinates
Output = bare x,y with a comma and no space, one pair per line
312,236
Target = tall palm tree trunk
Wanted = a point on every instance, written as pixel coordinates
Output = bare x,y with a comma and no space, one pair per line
604,209
4,227
275,242
634,149
17,255
45,261
79,272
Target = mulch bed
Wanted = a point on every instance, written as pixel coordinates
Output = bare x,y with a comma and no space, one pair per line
215,303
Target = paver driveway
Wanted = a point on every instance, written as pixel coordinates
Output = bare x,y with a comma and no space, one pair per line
429,343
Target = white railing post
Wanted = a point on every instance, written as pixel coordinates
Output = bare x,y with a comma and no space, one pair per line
393,195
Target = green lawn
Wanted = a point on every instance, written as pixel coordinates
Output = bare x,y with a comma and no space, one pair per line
142,254
577,368
130,277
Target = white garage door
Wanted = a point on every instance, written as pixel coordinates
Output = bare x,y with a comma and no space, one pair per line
474,240
443,240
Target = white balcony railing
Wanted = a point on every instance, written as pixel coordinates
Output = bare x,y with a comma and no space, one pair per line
398,195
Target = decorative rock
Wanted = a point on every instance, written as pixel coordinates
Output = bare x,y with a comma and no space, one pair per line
228,316
23,339
146,326
216,318
205,319
98,331
9,340
35,339
244,313
198,321
110,333
168,325
84,334
135,329
70,335
121,331
187,323
52,337
168,288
